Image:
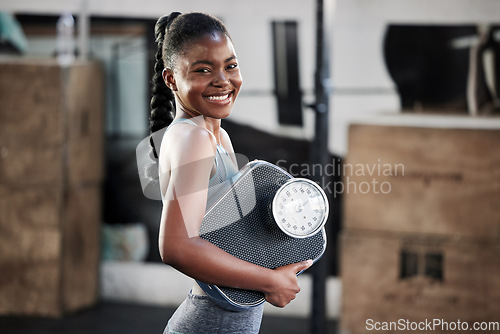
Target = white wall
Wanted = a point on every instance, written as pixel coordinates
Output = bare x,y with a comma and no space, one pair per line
360,81
249,23
363,87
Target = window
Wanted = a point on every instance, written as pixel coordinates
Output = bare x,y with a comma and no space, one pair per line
419,262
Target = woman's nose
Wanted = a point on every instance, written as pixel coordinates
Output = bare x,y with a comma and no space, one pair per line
220,78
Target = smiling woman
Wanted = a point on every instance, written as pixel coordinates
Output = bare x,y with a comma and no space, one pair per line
196,82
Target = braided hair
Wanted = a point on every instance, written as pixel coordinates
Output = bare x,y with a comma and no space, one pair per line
172,33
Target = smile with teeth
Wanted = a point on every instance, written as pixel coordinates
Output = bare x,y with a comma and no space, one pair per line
217,97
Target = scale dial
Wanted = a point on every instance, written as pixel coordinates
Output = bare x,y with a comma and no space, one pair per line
300,208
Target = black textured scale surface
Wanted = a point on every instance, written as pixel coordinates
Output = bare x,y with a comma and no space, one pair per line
242,224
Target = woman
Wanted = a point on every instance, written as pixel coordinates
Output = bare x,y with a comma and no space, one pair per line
196,83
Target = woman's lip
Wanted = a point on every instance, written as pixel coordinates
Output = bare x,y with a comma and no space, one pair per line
218,97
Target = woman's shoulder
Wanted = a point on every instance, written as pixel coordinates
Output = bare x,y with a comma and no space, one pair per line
188,132
182,138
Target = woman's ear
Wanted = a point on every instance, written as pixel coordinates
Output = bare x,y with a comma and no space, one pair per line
168,77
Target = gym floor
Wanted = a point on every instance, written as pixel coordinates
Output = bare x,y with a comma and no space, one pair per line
114,318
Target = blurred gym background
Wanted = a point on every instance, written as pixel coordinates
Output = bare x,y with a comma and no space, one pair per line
411,158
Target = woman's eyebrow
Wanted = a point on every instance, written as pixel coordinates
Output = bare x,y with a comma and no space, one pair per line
204,62
209,63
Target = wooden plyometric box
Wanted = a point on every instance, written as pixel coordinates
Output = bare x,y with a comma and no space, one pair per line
51,122
424,179
51,161
49,249
393,282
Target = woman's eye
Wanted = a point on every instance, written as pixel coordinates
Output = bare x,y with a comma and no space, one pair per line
203,70
232,66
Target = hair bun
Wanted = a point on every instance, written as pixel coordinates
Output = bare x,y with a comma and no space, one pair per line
163,24
171,17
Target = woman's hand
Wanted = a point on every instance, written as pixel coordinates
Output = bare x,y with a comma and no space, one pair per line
286,286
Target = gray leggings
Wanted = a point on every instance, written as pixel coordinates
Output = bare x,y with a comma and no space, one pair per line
199,315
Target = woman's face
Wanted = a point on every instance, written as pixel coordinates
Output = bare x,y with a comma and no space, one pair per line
206,79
